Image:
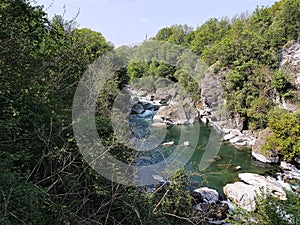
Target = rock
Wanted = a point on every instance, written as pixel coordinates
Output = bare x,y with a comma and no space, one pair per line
244,143
286,166
265,159
290,61
236,132
242,194
229,136
137,108
171,143
269,186
234,136
268,157
208,195
165,94
185,114
186,143
251,142
147,113
158,124
294,173
238,139
204,120
297,159
203,112
237,168
163,101
157,118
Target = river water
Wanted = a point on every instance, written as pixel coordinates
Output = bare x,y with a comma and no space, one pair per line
222,167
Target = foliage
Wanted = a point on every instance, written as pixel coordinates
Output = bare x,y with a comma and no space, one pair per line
286,134
43,177
177,34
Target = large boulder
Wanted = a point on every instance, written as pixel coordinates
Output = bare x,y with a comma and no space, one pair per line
245,193
185,114
268,185
266,157
242,194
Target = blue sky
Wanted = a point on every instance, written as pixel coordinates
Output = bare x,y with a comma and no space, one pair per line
129,21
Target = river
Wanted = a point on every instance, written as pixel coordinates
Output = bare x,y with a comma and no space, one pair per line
222,169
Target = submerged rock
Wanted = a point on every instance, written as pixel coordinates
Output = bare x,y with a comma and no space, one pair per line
186,143
168,143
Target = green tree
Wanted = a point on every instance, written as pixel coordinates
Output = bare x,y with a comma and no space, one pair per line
286,134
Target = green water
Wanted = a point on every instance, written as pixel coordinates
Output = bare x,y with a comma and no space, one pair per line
221,169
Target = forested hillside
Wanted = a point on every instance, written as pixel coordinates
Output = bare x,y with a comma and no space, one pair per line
44,178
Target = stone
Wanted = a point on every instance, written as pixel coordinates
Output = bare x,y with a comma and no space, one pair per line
168,143
158,124
297,159
242,194
165,94
269,186
229,136
265,159
239,138
237,168
244,143
286,166
208,195
186,143
236,132
137,108
204,120
179,115
257,153
157,118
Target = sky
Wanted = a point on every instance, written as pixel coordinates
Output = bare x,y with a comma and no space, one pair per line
131,21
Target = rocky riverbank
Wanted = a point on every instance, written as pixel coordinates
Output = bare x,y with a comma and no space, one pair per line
171,108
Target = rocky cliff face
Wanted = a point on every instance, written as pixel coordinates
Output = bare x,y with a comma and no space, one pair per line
290,63
175,107
213,107
290,59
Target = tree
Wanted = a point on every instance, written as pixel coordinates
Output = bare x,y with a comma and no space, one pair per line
286,134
